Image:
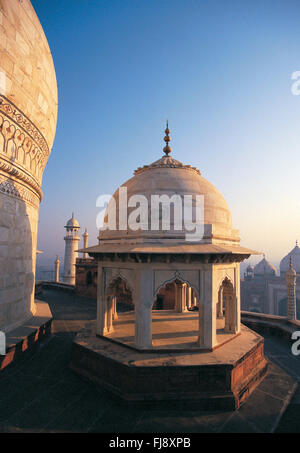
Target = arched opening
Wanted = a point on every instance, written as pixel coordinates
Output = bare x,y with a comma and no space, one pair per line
226,308
178,296
118,299
175,316
165,299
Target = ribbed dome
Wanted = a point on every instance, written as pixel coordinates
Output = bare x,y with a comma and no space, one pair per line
170,177
285,262
26,64
264,267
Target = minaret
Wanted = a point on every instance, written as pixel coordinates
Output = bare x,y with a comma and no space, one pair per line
56,272
72,239
85,243
290,277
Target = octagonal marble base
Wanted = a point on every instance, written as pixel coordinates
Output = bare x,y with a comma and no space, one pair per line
217,380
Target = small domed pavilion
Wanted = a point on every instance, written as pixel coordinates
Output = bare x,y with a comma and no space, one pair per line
148,259
168,246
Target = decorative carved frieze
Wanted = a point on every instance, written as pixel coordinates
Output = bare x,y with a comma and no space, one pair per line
21,175
11,111
23,149
13,188
171,258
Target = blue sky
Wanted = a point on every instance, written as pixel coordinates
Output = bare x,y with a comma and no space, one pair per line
220,71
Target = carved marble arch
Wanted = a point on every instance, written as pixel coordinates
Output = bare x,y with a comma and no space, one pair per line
173,279
114,279
226,281
225,277
2,142
8,131
11,150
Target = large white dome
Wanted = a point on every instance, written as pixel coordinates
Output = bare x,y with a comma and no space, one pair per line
285,262
28,69
263,268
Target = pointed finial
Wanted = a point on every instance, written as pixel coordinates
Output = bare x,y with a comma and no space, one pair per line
297,243
167,139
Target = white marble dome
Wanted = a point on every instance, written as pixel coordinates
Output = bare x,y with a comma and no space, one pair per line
27,66
285,262
28,115
264,267
72,223
171,177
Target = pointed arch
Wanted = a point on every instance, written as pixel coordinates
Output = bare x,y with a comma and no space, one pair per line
176,276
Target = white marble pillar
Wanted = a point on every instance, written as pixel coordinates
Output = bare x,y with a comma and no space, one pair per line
230,312
201,325
85,243
220,308
56,270
227,299
108,328
143,301
181,297
237,295
195,303
189,297
115,313
207,310
101,303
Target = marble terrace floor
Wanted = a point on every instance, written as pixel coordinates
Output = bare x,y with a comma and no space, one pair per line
41,394
170,330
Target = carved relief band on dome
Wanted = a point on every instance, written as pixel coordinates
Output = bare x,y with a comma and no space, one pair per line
20,155
11,170
11,111
13,188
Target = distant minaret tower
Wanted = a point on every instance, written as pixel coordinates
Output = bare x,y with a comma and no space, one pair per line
290,277
56,269
85,243
72,239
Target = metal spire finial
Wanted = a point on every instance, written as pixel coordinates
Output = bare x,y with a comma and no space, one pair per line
167,139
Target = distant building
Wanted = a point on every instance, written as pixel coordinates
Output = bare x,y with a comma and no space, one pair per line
263,291
72,240
86,277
